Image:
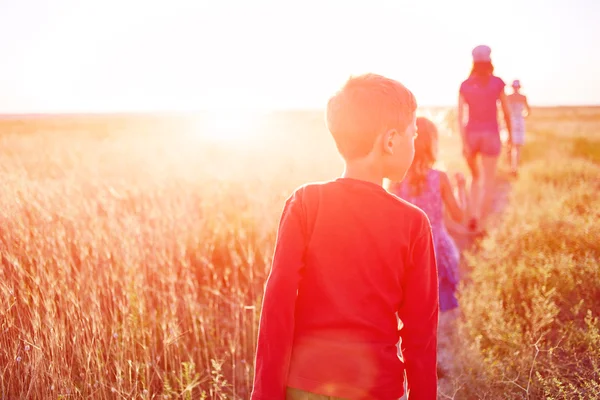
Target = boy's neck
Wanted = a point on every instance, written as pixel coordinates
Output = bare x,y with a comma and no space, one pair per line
363,170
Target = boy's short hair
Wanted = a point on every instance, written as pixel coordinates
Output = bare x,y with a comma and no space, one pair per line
363,108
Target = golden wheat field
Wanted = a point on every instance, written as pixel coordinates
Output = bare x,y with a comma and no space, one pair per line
134,250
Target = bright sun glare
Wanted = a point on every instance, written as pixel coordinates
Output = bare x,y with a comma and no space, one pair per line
233,126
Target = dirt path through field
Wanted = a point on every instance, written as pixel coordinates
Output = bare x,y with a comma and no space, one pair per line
446,350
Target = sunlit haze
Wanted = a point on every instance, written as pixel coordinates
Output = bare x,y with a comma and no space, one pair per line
133,55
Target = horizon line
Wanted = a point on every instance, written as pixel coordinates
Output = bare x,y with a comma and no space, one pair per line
221,109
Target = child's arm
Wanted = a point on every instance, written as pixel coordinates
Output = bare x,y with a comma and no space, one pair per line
419,315
276,329
527,108
455,208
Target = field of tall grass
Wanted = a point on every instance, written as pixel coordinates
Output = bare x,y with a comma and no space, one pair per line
134,252
531,305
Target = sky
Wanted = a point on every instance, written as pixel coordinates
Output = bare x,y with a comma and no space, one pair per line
146,55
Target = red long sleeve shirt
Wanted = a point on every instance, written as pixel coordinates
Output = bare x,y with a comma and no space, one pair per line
350,259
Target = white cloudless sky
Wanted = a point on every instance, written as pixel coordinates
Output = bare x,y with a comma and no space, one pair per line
133,55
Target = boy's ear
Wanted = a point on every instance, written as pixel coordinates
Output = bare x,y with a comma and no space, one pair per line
388,141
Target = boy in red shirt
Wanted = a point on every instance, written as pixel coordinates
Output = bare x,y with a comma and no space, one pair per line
350,259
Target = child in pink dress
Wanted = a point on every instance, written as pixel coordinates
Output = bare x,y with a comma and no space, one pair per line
431,191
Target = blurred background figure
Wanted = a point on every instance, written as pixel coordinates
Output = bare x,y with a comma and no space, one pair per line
519,110
480,133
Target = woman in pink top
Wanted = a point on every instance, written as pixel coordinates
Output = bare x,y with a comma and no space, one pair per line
479,96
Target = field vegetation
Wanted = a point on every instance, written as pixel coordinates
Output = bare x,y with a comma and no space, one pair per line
134,250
